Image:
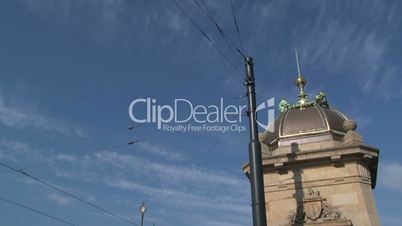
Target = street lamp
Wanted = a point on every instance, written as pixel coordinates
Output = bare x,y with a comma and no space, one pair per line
143,209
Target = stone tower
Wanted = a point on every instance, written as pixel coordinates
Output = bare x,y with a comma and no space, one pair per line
317,170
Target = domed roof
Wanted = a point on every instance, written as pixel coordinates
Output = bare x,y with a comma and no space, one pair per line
305,118
314,119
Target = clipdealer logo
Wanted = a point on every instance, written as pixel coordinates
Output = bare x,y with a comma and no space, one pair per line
183,116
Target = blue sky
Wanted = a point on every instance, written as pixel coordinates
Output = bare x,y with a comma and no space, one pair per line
69,70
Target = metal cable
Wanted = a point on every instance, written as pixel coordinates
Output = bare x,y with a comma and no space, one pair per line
22,172
206,36
36,211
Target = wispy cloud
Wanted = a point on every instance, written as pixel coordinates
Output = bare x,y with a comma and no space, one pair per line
65,157
19,116
110,18
354,41
353,48
176,197
14,145
59,199
162,151
186,175
183,185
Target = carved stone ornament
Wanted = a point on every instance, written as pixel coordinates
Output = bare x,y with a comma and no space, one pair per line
330,213
314,209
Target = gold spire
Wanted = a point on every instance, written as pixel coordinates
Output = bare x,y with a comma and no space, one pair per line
303,102
300,82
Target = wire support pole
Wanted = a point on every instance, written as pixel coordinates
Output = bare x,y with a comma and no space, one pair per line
255,159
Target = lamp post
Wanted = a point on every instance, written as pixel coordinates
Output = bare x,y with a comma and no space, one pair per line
143,209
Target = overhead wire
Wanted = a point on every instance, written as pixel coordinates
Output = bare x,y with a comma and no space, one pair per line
229,43
122,129
227,40
117,146
36,211
206,36
128,143
208,13
236,25
22,172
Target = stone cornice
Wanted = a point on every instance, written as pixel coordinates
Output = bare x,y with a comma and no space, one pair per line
333,155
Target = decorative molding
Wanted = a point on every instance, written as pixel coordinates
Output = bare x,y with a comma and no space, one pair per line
320,100
315,209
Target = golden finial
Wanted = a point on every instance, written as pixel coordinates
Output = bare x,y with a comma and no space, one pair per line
300,82
297,63
303,102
